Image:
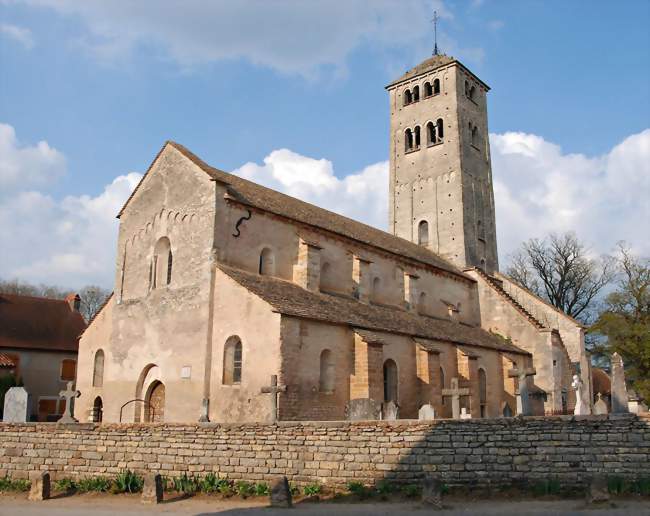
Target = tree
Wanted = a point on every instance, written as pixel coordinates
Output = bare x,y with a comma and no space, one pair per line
625,321
92,299
561,270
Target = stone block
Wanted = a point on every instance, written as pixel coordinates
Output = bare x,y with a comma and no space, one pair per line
432,492
152,491
40,489
597,491
280,493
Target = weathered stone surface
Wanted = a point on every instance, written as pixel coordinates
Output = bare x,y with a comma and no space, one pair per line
152,491
281,493
363,409
464,414
390,411
16,406
582,407
600,407
426,412
619,390
597,491
69,395
432,492
40,489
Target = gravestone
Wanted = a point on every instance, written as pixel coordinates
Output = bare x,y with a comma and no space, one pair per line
600,407
69,396
390,411
40,489
582,404
464,414
432,492
426,412
152,491
523,401
363,409
281,493
455,392
17,405
274,389
619,390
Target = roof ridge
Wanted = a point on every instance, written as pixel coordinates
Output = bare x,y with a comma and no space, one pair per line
40,298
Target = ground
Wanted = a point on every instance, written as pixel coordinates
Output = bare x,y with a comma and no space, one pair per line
109,505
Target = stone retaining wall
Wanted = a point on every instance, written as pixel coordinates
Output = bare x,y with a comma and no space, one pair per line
472,453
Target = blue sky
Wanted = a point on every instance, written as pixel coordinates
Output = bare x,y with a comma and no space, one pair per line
104,84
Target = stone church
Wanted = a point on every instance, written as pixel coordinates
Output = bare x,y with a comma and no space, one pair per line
221,283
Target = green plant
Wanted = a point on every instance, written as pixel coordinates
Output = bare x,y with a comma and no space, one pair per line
383,488
243,488
411,490
358,489
209,483
65,484
96,484
261,489
615,485
294,489
127,482
547,487
224,487
186,485
17,484
312,489
644,486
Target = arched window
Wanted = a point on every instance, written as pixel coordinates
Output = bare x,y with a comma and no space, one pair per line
98,410
416,93
408,140
442,383
423,232
68,370
408,98
475,136
160,269
440,130
482,389
232,361
267,262
327,371
431,133
428,90
472,93
376,289
417,137
98,370
422,304
436,87
390,381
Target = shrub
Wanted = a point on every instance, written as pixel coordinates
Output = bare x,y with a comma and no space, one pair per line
224,487
261,489
96,484
615,485
127,482
66,485
17,484
243,488
547,487
312,490
186,485
357,488
411,490
209,483
384,488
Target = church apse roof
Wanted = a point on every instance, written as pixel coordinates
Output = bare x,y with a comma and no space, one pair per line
290,299
257,196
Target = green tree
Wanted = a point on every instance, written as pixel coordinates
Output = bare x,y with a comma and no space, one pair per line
625,320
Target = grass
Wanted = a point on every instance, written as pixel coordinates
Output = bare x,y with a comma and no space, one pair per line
312,490
14,484
547,487
619,485
93,484
127,482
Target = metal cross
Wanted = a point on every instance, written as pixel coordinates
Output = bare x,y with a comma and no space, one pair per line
435,33
455,392
68,395
274,389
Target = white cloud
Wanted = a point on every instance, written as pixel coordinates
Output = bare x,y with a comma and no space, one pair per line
21,35
287,35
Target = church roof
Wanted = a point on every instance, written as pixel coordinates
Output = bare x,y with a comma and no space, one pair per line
39,323
258,196
290,299
436,61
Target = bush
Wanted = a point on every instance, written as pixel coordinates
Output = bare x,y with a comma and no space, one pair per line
547,487
411,490
18,484
384,488
186,485
95,484
261,489
312,490
65,485
243,488
358,489
209,483
127,482
225,487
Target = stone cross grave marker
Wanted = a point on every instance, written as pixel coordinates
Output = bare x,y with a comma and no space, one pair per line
582,404
600,407
619,390
464,414
426,412
455,392
523,402
274,389
69,395
16,407
390,411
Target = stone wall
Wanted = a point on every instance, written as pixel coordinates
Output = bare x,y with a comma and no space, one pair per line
472,453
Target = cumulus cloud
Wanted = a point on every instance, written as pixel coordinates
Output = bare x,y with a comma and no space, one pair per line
287,35
68,242
18,34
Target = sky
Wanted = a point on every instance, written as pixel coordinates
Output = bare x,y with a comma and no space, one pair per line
291,94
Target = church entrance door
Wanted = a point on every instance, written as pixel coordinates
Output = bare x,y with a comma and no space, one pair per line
155,403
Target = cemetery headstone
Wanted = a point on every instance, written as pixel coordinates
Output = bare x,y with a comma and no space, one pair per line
152,491
390,411
281,493
464,414
455,392
68,395
426,412
40,489
523,401
582,404
619,390
600,407
17,405
274,389
363,409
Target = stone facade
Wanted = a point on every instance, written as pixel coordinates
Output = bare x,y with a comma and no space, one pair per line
476,453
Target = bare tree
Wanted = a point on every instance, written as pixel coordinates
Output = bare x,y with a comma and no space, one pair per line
92,299
560,270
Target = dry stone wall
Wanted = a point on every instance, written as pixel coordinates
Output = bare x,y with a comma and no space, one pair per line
472,453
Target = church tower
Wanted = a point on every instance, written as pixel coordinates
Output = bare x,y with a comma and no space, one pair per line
441,194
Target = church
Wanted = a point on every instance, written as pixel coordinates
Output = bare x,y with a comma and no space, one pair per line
222,284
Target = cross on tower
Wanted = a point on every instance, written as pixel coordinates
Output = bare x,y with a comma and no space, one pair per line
455,392
435,33
68,395
523,405
274,389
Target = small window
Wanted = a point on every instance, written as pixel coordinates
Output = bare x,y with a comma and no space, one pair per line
160,270
232,361
442,383
98,369
68,370
408,98
408,140
417,137
267,262
327,371
428,90
423,232
440,130
390,381
431,133
472,93
436,87
416,93
475,136
169,267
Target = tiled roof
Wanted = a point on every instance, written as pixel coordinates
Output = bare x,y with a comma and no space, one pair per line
38,323
430,64
6,361
290,299
263,198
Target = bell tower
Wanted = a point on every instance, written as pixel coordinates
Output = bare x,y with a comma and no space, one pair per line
441,194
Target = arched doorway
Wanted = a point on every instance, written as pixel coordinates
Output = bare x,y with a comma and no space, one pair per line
390,381
154,409
98,410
